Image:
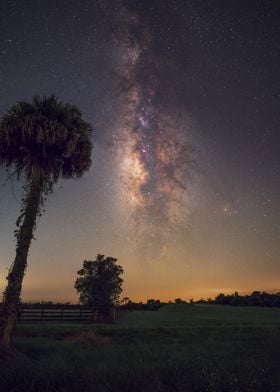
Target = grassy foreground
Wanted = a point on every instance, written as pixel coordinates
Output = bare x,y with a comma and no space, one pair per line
177,348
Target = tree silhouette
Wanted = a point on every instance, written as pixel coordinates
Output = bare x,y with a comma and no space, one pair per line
100,284
41,141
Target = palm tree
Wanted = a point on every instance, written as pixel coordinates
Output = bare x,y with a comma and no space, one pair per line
41,141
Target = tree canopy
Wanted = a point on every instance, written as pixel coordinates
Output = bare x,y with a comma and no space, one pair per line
45,135
99,283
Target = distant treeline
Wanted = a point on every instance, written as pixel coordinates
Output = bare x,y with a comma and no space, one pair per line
257,298
125,304
151,304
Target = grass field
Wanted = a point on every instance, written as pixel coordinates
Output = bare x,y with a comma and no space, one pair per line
177,348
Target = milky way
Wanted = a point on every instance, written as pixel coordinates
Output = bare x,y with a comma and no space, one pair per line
154,152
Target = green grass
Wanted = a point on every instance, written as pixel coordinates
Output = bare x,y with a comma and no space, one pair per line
177,348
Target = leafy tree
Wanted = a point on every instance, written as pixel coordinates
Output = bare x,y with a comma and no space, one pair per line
41,142
153,304
99,283
179,301
125,300
221,299
256,298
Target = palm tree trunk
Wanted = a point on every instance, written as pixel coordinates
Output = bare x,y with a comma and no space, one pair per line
16,274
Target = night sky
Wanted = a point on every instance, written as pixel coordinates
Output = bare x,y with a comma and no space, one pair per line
183,96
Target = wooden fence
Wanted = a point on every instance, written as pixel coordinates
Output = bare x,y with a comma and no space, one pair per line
54,313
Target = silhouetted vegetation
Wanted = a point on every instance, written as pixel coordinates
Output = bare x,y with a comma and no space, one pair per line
256,298
99,284
151,304
179,301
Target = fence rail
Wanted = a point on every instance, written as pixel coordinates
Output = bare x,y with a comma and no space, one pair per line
54,313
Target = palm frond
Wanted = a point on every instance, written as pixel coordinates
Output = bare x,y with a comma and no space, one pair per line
45,135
